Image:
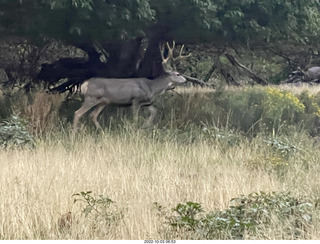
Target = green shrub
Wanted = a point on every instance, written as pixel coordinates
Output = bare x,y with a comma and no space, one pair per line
224,136
251,110
247,217
276,158
268,110
14,133
102,208
311,102
245,108
311,118
285,149
280,107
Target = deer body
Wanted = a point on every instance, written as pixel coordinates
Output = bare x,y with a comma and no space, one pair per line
312,73
138,92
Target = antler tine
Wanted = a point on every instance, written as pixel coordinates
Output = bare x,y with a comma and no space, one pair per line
170,53
164,60
180,54
161,47
170,49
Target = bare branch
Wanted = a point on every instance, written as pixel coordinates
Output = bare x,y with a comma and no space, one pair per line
250,74
198,82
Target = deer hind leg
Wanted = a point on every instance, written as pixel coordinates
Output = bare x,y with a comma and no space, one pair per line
89,103
153,113
94,115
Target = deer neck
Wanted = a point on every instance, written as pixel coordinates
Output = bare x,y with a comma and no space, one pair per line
160,84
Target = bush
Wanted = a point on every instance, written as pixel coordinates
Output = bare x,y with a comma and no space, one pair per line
250,111
102,208
247,217
243,110
279,107
269,110
14,133
276,158
311,117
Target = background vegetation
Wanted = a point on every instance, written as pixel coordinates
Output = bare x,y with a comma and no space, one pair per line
224,164
59,43
235,162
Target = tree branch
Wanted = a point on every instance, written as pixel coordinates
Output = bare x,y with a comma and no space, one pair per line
250,74
198,82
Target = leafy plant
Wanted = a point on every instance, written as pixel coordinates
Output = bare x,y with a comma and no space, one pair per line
280,147
269,163
257,211
247,216
280,106
101,207
187,214
277,158
14,133
311,102
187,220
221,135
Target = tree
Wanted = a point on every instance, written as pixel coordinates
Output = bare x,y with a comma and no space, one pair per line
121,37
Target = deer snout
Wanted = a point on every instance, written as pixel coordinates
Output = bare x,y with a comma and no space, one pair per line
182,79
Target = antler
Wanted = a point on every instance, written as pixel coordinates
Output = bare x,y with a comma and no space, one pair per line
170,53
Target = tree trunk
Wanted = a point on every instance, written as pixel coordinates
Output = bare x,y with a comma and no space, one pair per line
123,58
139,57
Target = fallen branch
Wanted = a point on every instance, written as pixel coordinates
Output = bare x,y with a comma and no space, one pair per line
250,74
198,82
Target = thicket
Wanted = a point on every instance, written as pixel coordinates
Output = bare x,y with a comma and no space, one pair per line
246,111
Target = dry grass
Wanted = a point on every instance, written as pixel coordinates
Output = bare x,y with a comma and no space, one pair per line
297,88
134,170
294,88
41,112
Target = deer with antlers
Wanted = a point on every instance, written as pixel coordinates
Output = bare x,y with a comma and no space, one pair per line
135,92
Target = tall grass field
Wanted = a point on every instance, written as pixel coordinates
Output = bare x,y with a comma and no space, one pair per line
218,164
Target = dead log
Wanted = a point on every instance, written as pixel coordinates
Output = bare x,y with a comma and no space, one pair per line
249,73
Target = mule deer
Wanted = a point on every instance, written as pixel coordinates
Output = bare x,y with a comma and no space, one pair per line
138,92
310,75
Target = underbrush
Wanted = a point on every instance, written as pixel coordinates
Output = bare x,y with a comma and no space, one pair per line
251,111
252,216
248,217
